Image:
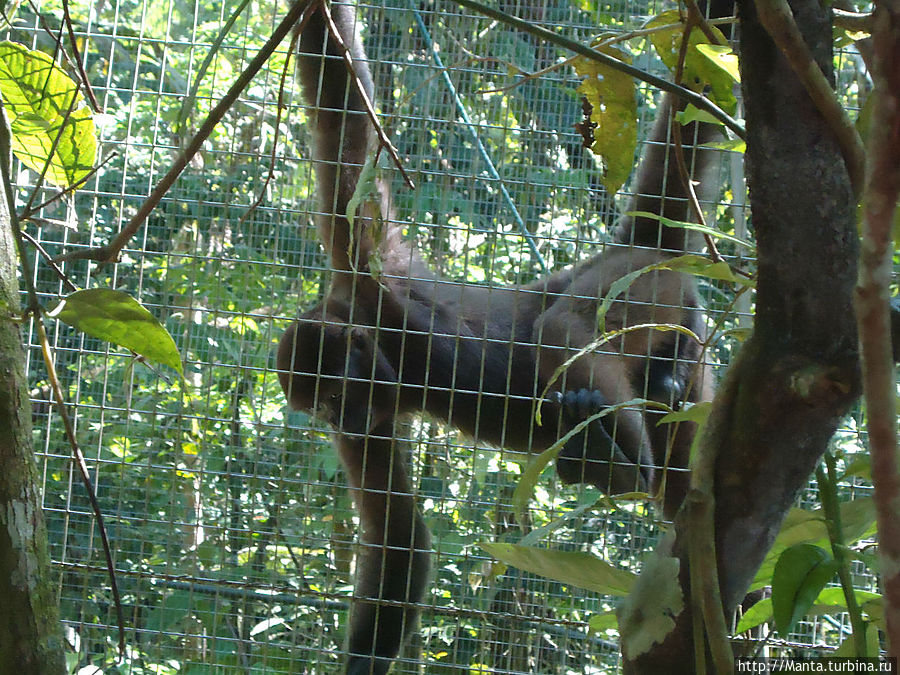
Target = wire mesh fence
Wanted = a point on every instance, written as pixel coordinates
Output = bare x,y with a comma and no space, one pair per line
233,532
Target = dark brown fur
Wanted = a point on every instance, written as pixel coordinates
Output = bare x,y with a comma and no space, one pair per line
478,357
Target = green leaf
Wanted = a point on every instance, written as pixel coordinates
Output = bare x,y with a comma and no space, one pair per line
698,412
685,225
692,113
567,567
829,601
721,57
366,190
861,467
611,94
700,70
118,318
38,95
800,574
699,266
801,526
602,622
729,144
760,613
588,500
847,648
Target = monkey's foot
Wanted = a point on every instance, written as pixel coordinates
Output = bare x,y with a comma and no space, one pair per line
368,665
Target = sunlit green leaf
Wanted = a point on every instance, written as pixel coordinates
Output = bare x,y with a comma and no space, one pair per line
722,57
600,623
118,318
704,267
696,227
568,567
729,144
43,103
611,94
694,413
692,113
699,70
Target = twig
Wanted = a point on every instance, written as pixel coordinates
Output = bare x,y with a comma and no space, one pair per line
778,20
46,28
675,133
67,19
184,113
858,22
364,95
683,93
706,601
700,528
46,256
279,107
84,473
699,19
827,482
110,252
56,139
29,211
871,301
6,180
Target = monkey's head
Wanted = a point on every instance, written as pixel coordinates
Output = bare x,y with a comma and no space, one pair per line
336,370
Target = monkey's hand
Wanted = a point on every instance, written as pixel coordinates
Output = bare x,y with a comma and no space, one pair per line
592,456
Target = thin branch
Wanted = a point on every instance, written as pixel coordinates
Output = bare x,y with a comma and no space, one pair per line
683,93
279,109
699,19
110,252
29,211
83,471
827,483
46,256
62,52
530,75
6,180
858,22
56,139
675,133
67,19
871,302
778,20
187,104
364,95
706,598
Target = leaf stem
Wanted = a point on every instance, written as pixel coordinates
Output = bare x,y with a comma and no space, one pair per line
827,480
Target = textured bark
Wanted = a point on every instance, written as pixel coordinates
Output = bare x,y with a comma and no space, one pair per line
30,632
799,373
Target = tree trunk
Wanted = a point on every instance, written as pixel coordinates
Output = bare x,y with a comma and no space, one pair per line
30,632
797,376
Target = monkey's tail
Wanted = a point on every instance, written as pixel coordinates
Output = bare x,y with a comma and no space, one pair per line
660,186
342,131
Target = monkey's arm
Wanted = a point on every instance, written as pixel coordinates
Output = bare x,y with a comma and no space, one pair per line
393,561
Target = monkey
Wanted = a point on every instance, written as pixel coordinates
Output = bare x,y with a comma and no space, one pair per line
392,338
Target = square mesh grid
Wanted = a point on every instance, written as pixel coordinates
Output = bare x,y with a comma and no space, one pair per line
233,533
